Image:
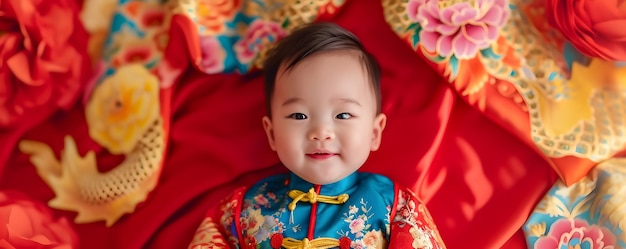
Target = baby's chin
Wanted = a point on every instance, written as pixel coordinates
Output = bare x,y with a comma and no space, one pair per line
324,179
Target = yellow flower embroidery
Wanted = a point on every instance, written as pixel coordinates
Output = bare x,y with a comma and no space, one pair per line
123,107
538,229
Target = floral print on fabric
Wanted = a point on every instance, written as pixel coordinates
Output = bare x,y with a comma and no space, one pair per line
97,16
234,35
123,99
260,227
257,226
214,14
217,229
259,35
413,219
455,34
262,220
566,233
587,214
565,97
213,56
138,35
359,229
227,210
460,29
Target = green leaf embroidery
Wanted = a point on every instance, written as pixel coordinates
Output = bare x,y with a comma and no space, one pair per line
285,23
412,26
416,35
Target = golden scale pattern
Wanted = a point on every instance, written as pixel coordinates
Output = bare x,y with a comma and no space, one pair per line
142,163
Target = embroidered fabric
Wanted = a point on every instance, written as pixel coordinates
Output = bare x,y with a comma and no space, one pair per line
257,220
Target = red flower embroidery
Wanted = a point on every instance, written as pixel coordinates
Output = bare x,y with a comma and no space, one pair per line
250,242
43,57
276,241
344,243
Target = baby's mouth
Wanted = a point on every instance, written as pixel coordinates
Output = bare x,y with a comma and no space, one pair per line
320,155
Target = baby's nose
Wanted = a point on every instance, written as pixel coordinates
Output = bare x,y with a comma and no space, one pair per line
321,132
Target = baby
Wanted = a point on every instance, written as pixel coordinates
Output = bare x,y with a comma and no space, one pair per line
323,119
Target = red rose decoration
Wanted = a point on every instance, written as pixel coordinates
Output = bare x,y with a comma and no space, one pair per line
594,27
43,57
28,224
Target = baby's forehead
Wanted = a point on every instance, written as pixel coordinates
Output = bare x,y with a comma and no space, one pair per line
338,62
289,63
342,79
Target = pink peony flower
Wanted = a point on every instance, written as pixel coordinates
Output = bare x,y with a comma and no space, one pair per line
29,224
566,233
213,55
260,34
460,29
261,200
357,225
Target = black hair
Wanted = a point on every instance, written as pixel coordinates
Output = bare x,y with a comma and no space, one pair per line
311,39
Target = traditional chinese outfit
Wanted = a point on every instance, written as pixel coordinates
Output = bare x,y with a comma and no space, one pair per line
284,211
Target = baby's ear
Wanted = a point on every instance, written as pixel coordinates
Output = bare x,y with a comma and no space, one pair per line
379,125
269,131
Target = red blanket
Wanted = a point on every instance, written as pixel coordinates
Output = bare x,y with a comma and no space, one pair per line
479,181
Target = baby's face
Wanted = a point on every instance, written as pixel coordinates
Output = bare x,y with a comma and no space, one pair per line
324,121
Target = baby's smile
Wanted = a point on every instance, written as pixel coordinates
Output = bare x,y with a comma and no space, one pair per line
321,155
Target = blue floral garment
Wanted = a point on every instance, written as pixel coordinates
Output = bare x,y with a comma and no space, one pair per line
284,211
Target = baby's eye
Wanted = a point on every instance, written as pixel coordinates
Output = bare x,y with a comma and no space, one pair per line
343,115
297,116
